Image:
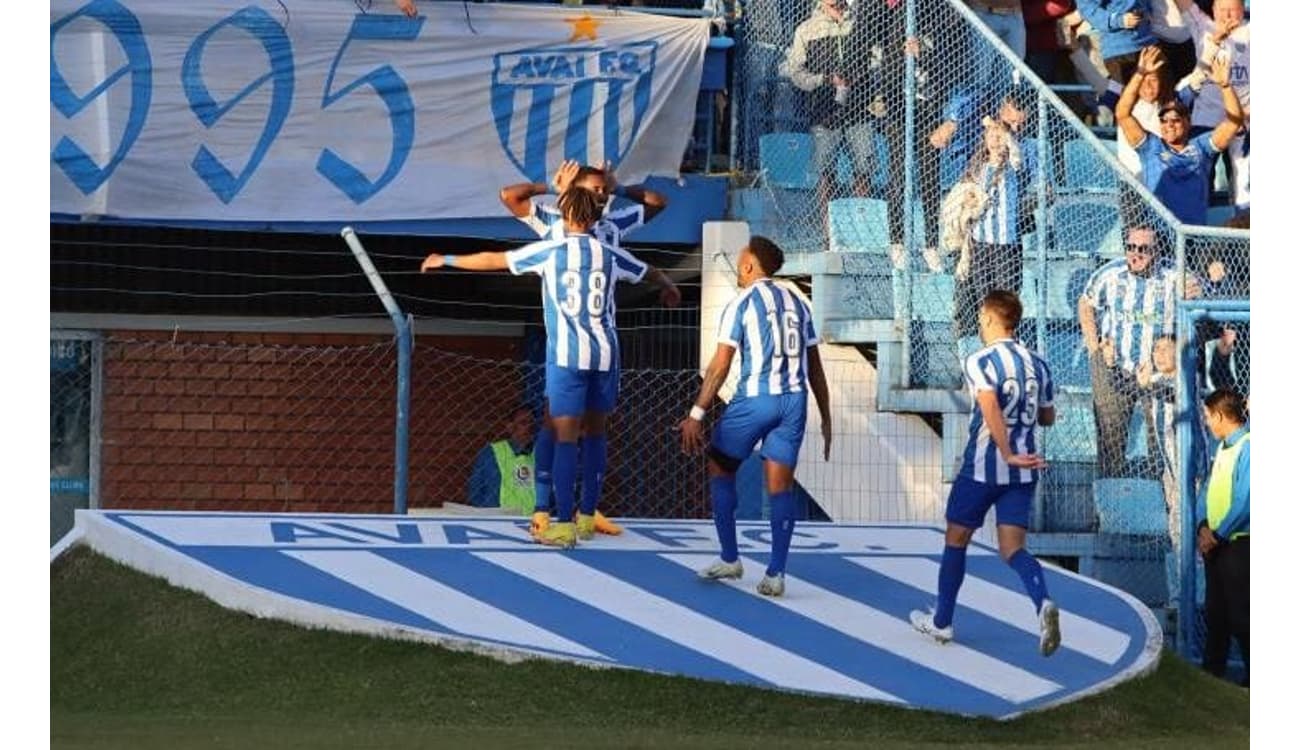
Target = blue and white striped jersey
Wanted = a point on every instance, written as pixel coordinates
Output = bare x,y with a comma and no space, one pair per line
772,328
999,224
1134,310
578,277
548,223
1023,384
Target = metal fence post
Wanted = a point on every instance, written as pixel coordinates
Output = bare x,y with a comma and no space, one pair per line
403,326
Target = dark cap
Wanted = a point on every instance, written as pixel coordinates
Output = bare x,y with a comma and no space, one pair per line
1174,105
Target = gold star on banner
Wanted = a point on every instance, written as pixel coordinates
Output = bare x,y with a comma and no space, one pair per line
584,27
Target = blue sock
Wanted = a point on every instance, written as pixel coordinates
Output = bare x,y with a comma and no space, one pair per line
722,491
951,572
782,530
543,458
564,474
1032,574
594,450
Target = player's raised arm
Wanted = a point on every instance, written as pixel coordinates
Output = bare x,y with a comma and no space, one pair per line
487,261
817,382
653,201
692,427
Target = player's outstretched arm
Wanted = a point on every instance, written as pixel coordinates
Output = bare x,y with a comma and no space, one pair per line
653,201
997,426
518,198
817,381
669,294
692,427
489,261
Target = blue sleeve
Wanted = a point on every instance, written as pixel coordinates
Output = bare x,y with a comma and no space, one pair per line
1047,395
1186,95
627,266
959,106
1238,517
1096,15
531,258
485,480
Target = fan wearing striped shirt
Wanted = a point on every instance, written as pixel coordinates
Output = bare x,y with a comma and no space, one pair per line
525,203
579,274
772,328
1011,394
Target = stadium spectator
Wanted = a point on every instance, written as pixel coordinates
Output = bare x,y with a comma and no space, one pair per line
581,349
1223,533
1126,304
1125,28
1044,52
503,471
943,39
1158,377
524,202
1007,22
1011,394
778,366
1174,38
996,180
829,63
1224,38
1153,90
1175,166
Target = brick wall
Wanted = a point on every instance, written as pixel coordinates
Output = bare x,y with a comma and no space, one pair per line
291,422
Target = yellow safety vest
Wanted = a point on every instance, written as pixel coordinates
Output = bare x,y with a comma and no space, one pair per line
1218,497
516,491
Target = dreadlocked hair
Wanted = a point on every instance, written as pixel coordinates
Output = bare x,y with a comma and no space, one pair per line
580,206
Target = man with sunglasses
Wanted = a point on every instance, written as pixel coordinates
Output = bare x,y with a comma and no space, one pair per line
1127,304
1175,166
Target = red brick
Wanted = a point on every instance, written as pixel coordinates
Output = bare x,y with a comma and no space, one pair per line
198,456
263,388
200,387
153,370
168,387
133,387
212,439
228,456
240,473
287,491
244,338
215,370
228,491
215,405
196,491
232,388
168,422
228,422
166,491
259,492
198,421
259,422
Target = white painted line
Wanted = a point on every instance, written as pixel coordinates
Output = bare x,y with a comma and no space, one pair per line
682,625
894,635
1079,634
435,601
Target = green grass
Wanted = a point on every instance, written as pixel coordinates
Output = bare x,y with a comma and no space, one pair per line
136,663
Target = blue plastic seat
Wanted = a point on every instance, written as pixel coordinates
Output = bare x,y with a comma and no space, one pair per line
933,297
859,225
786,160
1086,224
1130,506
1085,169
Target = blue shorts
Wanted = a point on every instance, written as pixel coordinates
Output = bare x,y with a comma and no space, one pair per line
969,501
572,393
776,420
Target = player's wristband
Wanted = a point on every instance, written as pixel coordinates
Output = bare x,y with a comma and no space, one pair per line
697,414
449,261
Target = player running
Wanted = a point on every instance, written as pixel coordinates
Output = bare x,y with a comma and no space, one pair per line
544,217
578,278
1011,394
772,328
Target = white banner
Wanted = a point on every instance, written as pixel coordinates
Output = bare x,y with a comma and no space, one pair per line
311,111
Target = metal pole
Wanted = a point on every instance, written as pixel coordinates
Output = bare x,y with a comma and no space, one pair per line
1040,236
1186,488
909,154
402,325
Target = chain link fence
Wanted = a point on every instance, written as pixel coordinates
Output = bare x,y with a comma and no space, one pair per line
903,138
217,424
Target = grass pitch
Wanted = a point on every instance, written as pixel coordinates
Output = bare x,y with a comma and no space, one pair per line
136,663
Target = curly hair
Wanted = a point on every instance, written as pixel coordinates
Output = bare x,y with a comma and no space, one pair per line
580,206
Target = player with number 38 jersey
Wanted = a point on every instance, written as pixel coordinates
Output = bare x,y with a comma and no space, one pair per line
1023,384
578,277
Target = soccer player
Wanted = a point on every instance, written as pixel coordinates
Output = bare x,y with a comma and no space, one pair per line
523,201
578,278
772,328
1011,393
